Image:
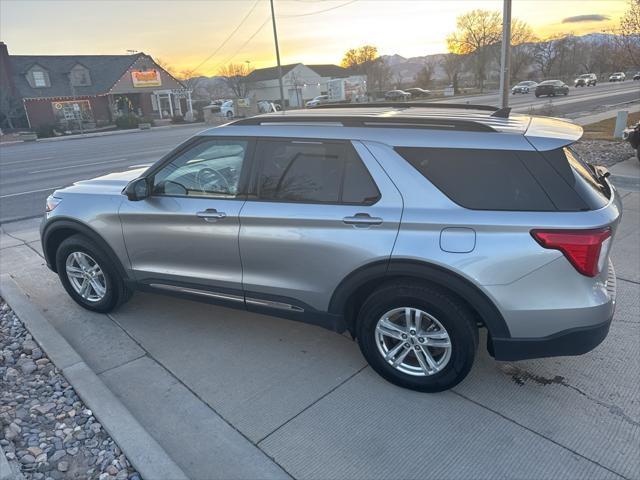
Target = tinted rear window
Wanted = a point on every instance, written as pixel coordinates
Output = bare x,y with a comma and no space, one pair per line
580,176
480,179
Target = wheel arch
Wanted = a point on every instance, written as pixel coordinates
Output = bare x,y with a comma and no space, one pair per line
354,289
55,232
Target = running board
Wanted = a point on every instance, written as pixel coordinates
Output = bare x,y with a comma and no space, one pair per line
228,297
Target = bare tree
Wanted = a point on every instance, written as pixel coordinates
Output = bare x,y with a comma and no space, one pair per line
356,57
365,61
545,55
476,32
424,77
378,75
452,64
11,109
522,38
234,76
629,33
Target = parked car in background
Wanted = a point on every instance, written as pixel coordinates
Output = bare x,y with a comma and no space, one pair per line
524,87
397,95
586,80
617,77
320,99
552,88
637,76
411,227
227,109
418,92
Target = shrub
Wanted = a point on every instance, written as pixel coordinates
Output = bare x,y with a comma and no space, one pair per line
177,119
46,131
127,121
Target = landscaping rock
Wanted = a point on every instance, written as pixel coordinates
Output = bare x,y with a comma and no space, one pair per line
46,432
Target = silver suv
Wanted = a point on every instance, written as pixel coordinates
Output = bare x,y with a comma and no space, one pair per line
411,226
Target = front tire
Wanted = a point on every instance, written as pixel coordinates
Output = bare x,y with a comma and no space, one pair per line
417,336
88,275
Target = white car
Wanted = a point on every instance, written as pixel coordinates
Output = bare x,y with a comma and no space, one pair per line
617,77
317,101
227,109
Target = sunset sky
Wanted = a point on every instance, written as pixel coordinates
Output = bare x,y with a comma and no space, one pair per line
184,33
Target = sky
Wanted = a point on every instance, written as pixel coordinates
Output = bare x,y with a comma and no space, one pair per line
206,34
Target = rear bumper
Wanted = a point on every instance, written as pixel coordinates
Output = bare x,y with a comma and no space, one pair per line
575,341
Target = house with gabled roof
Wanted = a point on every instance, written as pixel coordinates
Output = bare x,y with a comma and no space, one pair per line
92,90
300,82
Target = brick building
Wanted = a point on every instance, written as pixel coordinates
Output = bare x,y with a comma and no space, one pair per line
62,89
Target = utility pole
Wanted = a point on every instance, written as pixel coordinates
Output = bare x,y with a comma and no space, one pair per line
505,56
275,38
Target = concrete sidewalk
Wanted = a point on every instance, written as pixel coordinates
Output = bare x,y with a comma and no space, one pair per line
230,394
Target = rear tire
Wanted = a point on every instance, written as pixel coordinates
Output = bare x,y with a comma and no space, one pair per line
88,275
441,314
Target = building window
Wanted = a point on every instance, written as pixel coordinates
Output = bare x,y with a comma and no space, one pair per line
80,77
39,78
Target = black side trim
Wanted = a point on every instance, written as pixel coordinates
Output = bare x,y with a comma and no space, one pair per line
303,313
57,225
489,313
575,341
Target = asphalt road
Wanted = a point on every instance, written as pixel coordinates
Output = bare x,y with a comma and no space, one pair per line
30,172
580,101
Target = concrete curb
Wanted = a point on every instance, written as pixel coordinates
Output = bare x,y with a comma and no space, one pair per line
6,472
108,133
142,450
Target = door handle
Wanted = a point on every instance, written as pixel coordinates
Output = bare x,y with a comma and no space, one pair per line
362,220
211,215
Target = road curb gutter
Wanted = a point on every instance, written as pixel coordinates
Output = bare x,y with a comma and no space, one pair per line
143,451
6,472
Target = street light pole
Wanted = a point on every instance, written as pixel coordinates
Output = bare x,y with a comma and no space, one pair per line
275,38
505,56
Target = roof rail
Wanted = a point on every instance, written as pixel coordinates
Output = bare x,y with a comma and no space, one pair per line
367,121
459,106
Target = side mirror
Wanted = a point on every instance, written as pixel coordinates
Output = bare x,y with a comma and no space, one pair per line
137,189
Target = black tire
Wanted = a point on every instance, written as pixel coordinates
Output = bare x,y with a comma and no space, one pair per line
537,95
452,314
229,114
116,291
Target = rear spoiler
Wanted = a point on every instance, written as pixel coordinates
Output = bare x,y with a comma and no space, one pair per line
546,133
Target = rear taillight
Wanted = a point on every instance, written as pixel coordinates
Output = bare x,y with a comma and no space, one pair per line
585,249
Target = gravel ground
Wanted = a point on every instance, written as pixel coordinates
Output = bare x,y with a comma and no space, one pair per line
44,427
603,152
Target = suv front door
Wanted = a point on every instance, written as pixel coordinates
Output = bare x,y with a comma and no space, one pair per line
184,236
317,211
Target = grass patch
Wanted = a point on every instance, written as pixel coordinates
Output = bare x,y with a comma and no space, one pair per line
603,130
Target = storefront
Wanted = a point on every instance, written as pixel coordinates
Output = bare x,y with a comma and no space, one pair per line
71,92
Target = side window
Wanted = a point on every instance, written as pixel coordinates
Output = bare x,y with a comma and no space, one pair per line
313,172
480,179
209,168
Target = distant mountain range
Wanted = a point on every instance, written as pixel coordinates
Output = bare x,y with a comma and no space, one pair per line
404,70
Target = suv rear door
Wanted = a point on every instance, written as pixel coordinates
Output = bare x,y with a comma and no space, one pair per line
317,211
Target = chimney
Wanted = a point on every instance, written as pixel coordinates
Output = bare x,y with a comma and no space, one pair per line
6,72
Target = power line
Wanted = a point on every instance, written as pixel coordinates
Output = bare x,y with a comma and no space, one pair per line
244,19
319,11
228,59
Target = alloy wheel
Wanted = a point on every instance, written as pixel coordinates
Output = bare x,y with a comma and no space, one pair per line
413,341
86,277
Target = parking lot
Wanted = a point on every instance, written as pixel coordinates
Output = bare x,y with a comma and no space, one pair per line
230,394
